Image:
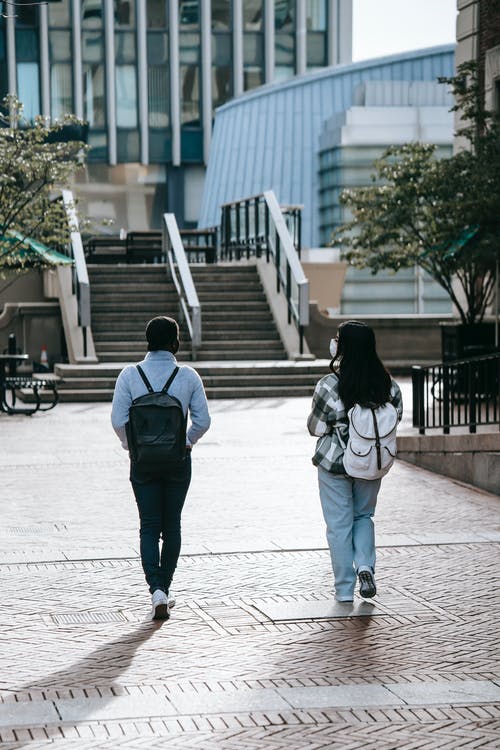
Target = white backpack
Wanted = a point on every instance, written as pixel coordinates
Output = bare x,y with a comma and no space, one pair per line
371,447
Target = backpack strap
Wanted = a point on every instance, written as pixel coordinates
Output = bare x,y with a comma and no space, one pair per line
377,439
146,381
169,381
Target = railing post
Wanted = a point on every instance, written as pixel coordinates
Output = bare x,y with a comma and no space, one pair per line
258,248
474,384
446,399
238,228
418,380
277,260
247,227
288,291
266,218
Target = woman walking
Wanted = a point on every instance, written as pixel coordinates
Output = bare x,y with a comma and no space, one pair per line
357,377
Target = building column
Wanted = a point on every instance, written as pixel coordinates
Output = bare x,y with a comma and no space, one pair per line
44,61
268,40
344,36
10,23
237,47
142,74
76,24
301,38
206,77
109,56
333,32
175,95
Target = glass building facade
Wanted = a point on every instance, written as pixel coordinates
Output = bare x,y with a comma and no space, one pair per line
147,75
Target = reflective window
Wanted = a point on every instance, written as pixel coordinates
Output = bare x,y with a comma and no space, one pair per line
158,96
221,15
92,14
124,13
3,61
253,12
60,46
284,15
60,13
284,56
253,56
93,95
157,16
316,50
189,57
189,14
316,15
126,96
222,78
28,88
61,90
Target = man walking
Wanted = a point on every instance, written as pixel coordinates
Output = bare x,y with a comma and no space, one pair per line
160,494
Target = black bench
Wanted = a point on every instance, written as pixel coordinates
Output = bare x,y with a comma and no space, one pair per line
11,384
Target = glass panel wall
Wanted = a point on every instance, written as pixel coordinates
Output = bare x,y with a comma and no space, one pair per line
94,102
158,81
126,81
189,58
253,43
60,56
317,25
27,57
222,79
284,25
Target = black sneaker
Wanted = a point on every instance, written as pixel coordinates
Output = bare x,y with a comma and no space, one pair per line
367,588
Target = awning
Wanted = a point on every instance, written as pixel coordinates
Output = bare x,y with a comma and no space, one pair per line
17,251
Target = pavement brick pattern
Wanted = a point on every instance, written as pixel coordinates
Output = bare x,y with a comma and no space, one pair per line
256,654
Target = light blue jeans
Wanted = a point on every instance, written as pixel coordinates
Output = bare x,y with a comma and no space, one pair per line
348,506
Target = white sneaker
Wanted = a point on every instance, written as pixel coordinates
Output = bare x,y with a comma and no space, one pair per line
160,606
171,599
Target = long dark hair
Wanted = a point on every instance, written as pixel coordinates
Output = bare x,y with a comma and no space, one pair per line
363,379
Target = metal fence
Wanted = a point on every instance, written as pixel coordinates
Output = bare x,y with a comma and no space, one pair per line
464,393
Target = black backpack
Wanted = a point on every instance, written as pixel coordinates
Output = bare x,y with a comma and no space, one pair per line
156,428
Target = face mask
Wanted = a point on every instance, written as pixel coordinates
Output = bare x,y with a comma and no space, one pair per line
333,348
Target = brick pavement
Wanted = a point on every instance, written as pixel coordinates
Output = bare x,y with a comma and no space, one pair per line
255,655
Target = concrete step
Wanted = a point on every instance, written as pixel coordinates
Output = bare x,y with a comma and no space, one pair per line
210,381
233,339
259,368
219,392
131,288
214,332
208,355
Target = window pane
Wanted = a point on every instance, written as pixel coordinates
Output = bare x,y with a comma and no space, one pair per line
252,15
285,47
126,96
252,77
158,95
316,12
60,46
316,50
157,48
125,47
190,94
189,15
221,15
124,13
26,45
93,93
59,13
221,84
28,86
253,49
92,14
92,46
157,17
61,90
284,13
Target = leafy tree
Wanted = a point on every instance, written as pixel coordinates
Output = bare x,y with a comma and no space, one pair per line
440,214
36,161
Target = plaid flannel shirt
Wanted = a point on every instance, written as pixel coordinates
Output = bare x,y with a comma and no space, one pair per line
328,419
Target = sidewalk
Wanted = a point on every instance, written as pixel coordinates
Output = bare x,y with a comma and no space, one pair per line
256,655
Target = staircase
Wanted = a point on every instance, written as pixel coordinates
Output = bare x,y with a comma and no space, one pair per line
241,354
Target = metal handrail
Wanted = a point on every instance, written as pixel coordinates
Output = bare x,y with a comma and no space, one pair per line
462,393
257,226
173,249
81,285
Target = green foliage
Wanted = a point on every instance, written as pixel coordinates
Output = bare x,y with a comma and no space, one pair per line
440,214
35,164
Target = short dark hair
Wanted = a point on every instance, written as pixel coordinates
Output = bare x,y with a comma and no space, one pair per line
161,333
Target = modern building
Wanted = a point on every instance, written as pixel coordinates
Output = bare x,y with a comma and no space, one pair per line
311,137
148,75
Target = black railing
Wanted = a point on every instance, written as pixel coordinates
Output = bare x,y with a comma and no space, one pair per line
146,247
259,226
245,227
465,393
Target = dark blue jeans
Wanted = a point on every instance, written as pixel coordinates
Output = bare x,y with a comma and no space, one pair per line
160,501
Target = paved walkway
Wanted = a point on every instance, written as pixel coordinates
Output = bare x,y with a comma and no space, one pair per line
256,655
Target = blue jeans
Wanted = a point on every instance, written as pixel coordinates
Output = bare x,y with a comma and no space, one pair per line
160,501
348,506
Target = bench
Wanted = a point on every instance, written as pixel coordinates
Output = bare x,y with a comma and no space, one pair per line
11,384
